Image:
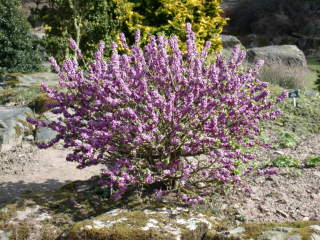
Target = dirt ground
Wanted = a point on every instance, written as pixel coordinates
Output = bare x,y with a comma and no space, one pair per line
293,194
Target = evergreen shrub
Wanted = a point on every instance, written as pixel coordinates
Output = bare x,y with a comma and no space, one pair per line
19,50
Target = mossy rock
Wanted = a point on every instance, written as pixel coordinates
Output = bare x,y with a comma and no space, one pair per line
143,225
39,103
11,79
303,228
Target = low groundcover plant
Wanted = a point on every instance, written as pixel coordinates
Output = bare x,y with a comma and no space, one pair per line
142,113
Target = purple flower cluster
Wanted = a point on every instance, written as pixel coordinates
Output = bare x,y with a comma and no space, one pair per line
143,113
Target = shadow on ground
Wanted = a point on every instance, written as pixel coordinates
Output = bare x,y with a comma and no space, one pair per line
11,190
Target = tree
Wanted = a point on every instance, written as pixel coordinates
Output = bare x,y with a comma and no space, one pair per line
18,52
170,17
87,22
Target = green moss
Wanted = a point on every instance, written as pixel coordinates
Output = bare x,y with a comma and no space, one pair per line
118,232
305,232
253,230
129,229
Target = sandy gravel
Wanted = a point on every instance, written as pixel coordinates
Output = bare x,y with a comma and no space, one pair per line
27,168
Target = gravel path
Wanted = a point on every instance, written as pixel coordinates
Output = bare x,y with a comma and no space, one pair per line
293,194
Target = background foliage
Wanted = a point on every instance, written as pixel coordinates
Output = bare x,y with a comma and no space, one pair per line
289,17
18,51
88,22
170,16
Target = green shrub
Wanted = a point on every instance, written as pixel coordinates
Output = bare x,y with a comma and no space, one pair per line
18,51
313,161
87,22
286,161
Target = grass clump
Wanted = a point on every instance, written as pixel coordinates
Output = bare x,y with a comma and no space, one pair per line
286,161
287,140
288,77
313,161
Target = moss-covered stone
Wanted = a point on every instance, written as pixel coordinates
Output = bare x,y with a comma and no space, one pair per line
145,225
39,103
11,79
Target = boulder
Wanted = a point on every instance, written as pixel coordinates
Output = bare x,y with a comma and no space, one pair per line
289,55
13,126
229,41
44,134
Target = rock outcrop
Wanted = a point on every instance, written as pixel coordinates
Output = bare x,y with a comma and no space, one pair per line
13,126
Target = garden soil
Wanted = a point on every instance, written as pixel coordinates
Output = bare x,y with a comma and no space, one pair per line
291,195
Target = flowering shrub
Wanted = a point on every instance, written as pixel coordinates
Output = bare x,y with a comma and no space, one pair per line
143,115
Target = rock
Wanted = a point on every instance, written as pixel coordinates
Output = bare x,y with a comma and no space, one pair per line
29,138
13,126
30,80
311,93
44,134
317,173
3,235
36,211
289,55
229,41
315,228
236,231
294,237
314,236
148,224
273,235
283,229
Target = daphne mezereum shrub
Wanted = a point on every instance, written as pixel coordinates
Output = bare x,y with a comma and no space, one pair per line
141,115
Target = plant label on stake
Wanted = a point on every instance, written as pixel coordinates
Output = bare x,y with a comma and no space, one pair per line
294,94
